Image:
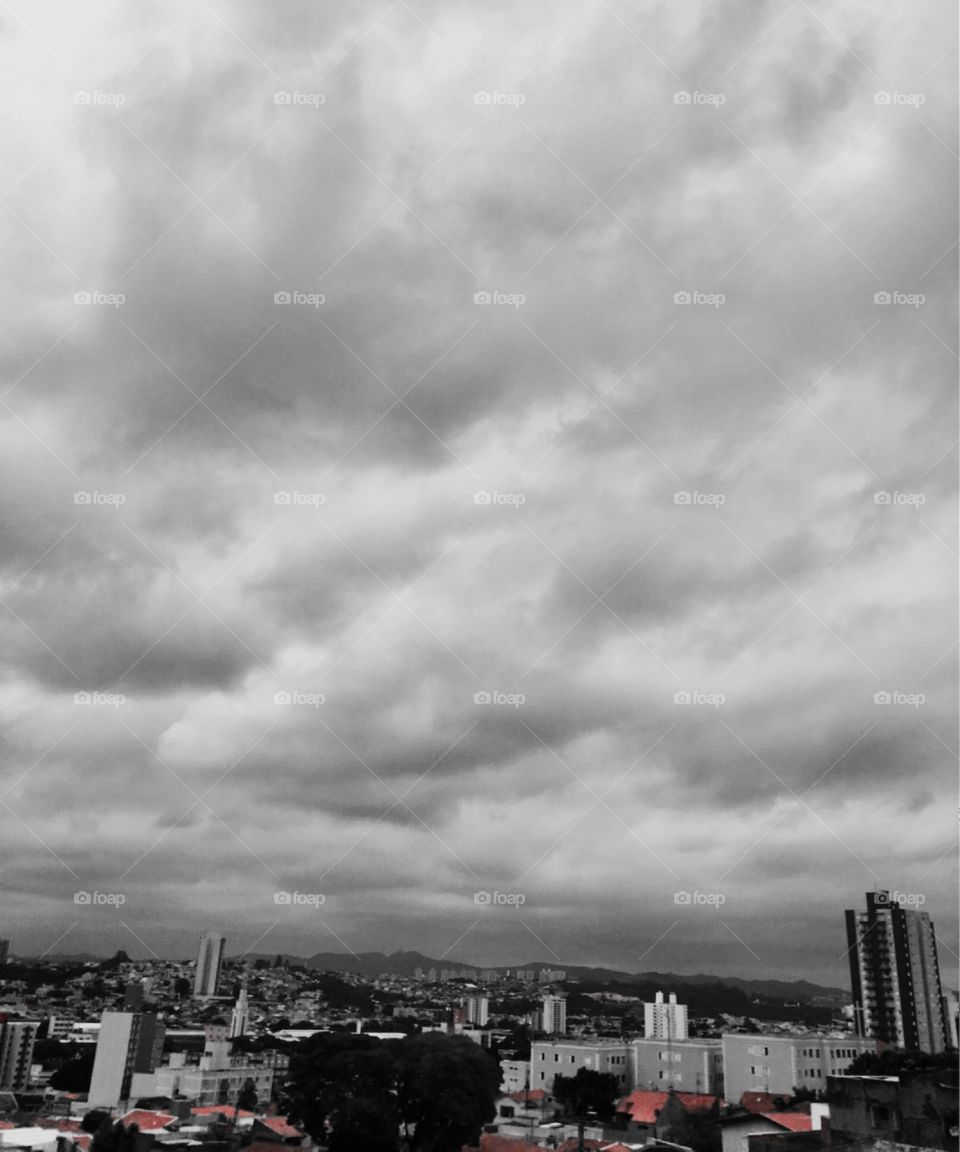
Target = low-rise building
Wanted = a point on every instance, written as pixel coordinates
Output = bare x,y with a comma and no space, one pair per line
917,1108
548,1058
686,1065
784,1064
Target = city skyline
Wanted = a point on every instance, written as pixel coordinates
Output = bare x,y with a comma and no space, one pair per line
479,481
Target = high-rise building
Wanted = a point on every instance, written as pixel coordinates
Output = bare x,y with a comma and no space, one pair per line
951,1017
240,1016
553,1015
665,1020
16,1053
209,960
128,1042
478,1009
895,975
133,997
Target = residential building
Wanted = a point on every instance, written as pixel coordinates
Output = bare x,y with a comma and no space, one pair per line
951,1018
917,1108
736,1130
477,1009
567,1057
678,1117
209,960
553,1015
665,1020
515,1075
690,1065
783,1064
215,1078
128,1043
895,975
17,1038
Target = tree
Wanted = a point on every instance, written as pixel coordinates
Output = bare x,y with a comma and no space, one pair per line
247,1097
341,1088
93,1119
114,1137
892,1061
181,987
588,1091
447,1087
74,1076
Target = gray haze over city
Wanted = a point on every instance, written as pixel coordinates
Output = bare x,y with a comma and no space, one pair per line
491,467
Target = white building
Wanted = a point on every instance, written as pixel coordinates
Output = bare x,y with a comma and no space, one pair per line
478,1009
782,1064
685,1065
240,1016
210,958
515,1075
128,1043
665,1020
553,1015
216,1078
548,1058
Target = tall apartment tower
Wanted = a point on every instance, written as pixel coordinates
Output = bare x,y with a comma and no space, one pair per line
895,976
17,1038
128,1042
478,1010
665,1021
553,1015
209,960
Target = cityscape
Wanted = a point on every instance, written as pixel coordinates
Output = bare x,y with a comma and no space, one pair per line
203,1052
479,549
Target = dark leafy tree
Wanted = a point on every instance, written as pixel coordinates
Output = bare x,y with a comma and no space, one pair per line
587,1092
892,1061
341,1088
74,1076
247,1097
447,1087
114,1137
93,1119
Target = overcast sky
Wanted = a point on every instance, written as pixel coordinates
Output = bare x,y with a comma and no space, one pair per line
612,265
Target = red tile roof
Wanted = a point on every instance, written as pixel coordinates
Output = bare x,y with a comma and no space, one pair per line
148,1121
279,1125
644,1106
534,1096
221,1110
794,1121
491,1143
